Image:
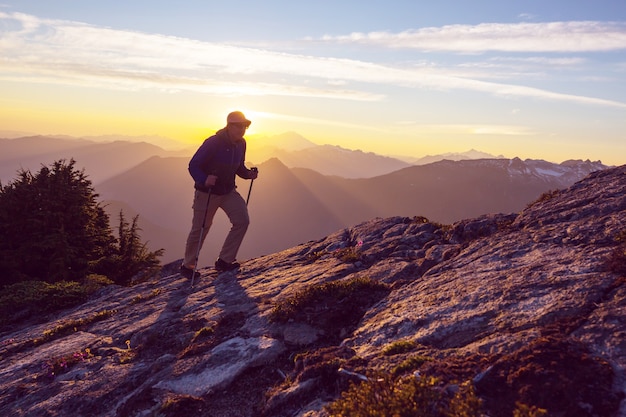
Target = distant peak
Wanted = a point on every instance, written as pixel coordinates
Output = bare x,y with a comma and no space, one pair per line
288,141
274,163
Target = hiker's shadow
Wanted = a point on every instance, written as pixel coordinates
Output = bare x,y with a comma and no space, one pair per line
240,311
232,297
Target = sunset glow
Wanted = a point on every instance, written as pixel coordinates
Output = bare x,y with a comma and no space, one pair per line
529,79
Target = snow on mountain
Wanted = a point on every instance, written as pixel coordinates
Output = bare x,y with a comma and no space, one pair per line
565,173
450,156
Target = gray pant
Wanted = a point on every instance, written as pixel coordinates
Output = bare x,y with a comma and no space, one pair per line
235,208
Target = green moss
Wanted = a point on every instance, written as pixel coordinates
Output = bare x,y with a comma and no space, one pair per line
139,297
349,254
405,397
522,410
203,332
33,298
400,346
410,364
294,307
73,325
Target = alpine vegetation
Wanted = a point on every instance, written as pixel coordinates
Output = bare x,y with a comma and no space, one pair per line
56,244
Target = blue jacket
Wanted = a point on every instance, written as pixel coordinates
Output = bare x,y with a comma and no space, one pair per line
220,156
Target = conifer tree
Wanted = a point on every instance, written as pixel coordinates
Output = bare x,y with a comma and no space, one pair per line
52,229
131,256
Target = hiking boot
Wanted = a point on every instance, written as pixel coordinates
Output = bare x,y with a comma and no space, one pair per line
186,272
224,266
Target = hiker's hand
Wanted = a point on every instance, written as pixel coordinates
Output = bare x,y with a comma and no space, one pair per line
210,181
254,173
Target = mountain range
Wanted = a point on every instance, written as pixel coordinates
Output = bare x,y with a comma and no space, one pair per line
291,206
295,151
106,156
294,204
101,160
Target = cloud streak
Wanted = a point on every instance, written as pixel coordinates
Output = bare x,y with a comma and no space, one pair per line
40,50
476,129
585,36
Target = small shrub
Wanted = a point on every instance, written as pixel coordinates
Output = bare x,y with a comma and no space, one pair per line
404,397
93,282
522,410
401,346
410,364
350,253
293,308
553,372
58,366
181,405
420,220
465,403
207,337
314,256
128,354
33,298
41,295
333,307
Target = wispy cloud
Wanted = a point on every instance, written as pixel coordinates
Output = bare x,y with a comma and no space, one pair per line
542,60
526,16
517,68
474,129
584,36
41,50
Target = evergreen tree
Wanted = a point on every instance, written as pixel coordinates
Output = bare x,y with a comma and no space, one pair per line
131,256
53,229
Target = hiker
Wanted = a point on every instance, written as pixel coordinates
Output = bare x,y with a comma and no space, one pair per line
213,168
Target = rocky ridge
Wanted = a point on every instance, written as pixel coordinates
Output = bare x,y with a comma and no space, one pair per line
529,306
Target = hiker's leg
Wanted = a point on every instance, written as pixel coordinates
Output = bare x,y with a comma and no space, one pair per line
200,211
235,208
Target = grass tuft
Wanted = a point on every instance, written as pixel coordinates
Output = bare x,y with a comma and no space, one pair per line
382,395
71,326
400,346
296,306
28,299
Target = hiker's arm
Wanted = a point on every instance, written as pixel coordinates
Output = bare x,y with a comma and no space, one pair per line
247,174
200,161
243,171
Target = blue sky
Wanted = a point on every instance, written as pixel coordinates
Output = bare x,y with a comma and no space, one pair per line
534,79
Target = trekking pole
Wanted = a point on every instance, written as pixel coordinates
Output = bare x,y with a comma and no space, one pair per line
206,209
251,182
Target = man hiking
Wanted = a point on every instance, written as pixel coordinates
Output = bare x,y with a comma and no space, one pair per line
213,168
